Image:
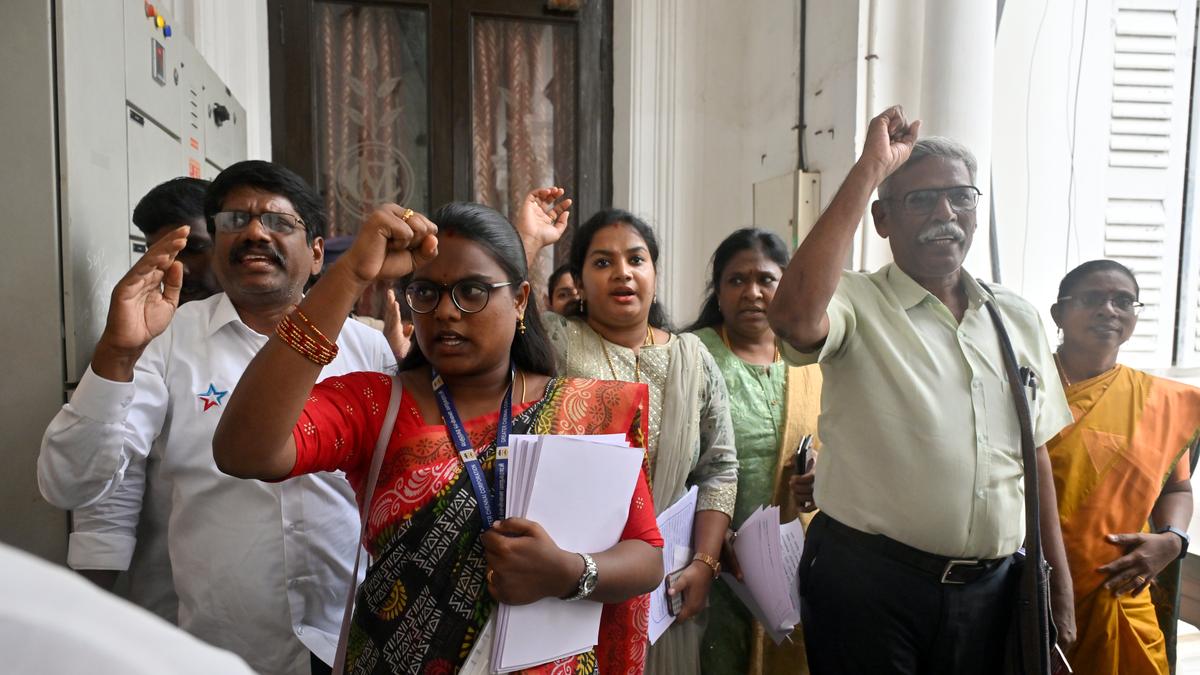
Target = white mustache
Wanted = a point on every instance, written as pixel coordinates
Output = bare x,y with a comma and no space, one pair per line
942,231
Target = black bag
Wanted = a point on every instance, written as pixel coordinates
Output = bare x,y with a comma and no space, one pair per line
1031,634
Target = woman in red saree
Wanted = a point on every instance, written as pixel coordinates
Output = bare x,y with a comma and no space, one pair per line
435,577
1120,471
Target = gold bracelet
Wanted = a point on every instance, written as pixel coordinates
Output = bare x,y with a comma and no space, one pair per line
711,562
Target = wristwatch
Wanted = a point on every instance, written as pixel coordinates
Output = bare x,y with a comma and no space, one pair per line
587,581
711,562
1182,535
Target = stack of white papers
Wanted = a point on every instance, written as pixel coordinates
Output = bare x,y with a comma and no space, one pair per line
675,525
769,555
578,488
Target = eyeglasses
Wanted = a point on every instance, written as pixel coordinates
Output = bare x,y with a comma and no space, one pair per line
962,198
1121,302
468,295
232,222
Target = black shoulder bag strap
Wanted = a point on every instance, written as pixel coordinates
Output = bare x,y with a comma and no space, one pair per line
1035,629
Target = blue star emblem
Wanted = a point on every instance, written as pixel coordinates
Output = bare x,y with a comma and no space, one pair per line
212,398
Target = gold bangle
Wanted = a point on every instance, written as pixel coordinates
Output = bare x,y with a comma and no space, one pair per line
711,562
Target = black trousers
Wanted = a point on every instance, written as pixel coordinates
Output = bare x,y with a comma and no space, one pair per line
864,612
319,667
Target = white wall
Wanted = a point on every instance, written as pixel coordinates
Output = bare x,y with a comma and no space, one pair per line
30,282
930,56
1091,110
1035,79
835,88
706,103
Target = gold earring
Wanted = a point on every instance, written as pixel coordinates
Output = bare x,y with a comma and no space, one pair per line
521,324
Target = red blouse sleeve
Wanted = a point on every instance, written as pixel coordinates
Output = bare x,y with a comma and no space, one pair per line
340,423
642,524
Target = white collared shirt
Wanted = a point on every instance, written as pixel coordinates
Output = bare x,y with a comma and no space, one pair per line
102,539
260,569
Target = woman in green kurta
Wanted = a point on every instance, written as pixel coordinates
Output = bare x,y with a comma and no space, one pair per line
772,407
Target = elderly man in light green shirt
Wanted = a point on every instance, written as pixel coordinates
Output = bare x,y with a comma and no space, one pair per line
921,487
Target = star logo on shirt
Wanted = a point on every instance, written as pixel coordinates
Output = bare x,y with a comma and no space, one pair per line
212,398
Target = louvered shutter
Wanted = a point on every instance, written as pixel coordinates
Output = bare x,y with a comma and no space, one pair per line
1151,96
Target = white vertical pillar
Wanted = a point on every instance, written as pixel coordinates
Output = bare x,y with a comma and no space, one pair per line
645,110
956,94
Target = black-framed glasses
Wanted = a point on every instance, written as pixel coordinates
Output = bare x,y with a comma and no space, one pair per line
962,198
232,222
1121,302
468,295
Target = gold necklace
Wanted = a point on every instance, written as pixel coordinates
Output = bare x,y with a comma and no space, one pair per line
1062,373
637,362
725,338
522,386
637,356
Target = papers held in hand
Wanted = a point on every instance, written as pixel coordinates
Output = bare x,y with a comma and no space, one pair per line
769,555
675,525
578,488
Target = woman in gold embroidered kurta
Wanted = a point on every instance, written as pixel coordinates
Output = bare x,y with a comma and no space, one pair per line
620,334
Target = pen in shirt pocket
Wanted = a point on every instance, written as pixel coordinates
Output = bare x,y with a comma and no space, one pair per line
1029,379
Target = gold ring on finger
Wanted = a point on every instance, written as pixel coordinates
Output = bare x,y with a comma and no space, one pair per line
408,213
1140,579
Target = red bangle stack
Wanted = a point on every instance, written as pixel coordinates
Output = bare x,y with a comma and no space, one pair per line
319,349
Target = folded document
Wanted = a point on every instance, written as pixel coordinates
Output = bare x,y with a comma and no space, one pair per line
769,555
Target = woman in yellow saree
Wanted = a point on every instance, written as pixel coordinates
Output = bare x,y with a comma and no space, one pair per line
1120,471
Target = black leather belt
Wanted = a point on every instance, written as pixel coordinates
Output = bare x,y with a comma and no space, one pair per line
945,570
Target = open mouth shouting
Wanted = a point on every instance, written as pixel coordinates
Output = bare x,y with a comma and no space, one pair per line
257,258
624,295
449,341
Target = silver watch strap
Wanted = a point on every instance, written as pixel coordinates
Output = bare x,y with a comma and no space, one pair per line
587,580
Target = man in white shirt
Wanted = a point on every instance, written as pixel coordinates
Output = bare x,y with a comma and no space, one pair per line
99,547
260,569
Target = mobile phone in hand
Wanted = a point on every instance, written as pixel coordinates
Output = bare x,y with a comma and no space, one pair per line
674,602
804,456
